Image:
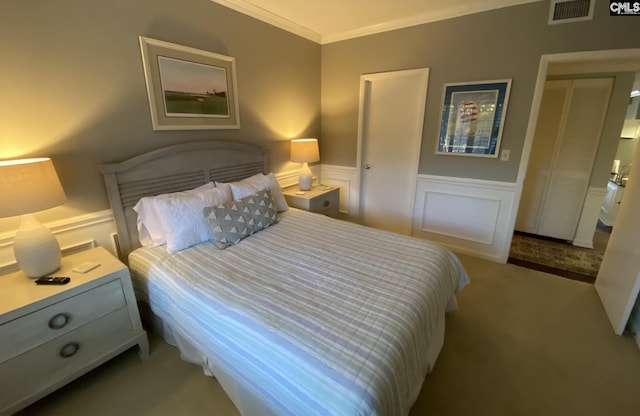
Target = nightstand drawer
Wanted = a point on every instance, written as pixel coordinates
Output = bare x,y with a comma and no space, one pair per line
324,203
321,199
41,368
55,320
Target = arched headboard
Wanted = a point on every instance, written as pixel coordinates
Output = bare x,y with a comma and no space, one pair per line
171,169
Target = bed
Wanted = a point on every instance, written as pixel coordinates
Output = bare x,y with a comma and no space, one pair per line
309,315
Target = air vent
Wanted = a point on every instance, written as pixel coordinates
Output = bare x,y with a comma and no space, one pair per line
568,11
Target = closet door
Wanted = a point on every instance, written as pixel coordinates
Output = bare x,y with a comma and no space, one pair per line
576,153
572,114
552,115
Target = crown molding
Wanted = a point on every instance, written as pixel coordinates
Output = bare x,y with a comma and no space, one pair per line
420,19
273,19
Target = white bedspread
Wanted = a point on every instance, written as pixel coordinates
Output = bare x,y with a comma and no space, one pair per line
310,316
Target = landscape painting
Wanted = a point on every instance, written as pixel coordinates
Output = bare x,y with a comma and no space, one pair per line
189,88
192,89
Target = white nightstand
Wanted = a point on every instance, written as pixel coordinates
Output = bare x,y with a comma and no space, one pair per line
320,199
53,334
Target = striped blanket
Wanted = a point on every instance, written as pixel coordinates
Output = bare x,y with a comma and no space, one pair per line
311,316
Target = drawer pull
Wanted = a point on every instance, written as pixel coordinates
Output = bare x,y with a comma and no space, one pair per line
326,203
59,321
69,350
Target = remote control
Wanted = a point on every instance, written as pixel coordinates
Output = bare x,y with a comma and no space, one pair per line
47,280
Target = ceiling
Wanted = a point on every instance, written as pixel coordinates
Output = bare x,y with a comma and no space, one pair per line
326,21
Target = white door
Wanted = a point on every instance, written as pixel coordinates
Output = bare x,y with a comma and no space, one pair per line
618,281
391,118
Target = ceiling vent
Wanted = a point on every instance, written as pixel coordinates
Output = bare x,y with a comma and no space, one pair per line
568,11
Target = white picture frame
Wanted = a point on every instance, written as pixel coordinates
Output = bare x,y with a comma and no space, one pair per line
188,88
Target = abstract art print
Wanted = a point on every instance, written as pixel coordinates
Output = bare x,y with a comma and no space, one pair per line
472,118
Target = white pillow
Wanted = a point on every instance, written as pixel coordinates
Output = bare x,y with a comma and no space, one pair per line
150,231
182,219
257,183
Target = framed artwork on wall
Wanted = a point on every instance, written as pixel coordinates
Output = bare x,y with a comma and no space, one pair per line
472,118
189,89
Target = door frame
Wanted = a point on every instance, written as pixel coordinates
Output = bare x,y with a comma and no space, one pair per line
365,82
608,60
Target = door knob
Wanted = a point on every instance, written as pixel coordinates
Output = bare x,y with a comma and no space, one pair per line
367,166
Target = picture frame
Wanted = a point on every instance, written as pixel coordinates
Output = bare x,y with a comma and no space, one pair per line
472,118
188,88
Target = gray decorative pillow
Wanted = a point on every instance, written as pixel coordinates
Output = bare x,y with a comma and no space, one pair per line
231,222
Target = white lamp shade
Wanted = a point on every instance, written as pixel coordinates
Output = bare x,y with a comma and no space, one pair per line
304,150
29,185
26,186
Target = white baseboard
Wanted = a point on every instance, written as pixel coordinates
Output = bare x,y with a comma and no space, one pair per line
467,215
73,234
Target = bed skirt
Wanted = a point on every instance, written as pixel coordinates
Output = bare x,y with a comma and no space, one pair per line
246,404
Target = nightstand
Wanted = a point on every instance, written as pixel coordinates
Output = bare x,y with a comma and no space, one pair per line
53,334
320,199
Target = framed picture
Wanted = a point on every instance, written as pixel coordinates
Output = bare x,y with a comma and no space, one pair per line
189,89
472,118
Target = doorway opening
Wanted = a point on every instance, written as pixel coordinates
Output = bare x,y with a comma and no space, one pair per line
559,256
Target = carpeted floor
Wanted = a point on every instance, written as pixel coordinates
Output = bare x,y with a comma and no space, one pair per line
559,257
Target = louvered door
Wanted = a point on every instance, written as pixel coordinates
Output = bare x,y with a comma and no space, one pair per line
553,111
563,154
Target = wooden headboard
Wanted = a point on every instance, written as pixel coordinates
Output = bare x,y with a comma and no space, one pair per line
171,169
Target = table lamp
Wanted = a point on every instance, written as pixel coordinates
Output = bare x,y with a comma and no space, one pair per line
305,151
27,186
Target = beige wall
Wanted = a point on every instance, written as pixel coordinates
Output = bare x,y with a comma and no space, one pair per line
499,44
72,85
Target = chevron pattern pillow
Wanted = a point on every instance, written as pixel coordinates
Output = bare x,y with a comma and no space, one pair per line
231,222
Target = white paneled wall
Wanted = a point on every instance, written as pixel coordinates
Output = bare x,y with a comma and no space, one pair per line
466,215
346,179
589,217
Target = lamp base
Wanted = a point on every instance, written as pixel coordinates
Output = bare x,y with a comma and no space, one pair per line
36,249
305,178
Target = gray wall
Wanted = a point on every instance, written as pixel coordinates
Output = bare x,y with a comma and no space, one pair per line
499,44
72,85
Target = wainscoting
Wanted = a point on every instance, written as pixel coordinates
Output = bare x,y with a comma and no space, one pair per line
346,179
467,215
